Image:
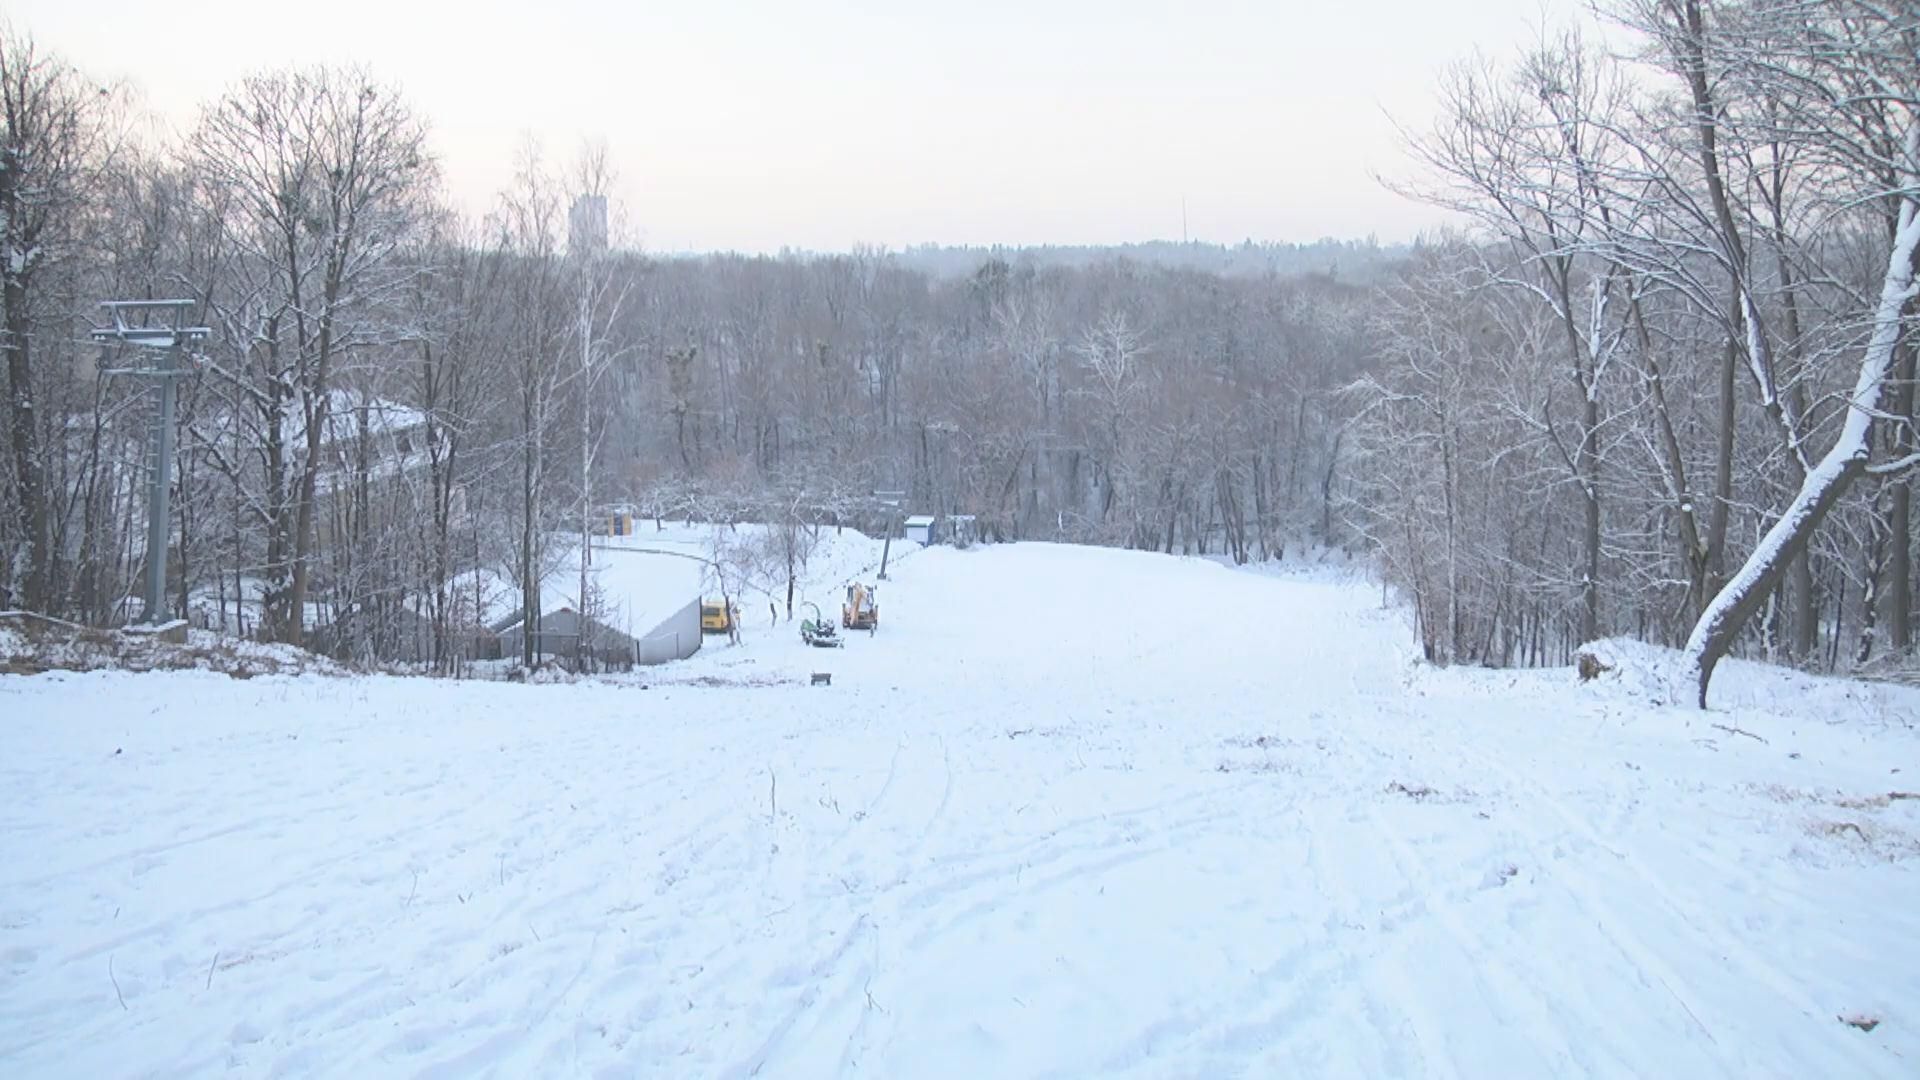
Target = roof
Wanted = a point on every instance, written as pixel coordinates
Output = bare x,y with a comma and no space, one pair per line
920,519
384,418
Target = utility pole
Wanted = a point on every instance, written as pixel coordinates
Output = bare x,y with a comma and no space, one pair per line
893,499
154,328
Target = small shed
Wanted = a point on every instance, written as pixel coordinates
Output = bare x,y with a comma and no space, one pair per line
920,529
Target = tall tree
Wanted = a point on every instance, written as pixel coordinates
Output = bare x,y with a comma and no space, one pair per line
322,172
51,148
1873,142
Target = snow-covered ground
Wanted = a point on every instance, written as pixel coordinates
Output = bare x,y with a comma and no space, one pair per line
1069,812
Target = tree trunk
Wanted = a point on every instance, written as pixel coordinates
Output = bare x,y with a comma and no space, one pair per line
294,632
1899,594
1803,612
1716,549
529,569
24,433
1326,488
1589,461
1693,550
1870,595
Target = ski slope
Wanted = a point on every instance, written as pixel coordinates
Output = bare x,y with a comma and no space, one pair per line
1070,812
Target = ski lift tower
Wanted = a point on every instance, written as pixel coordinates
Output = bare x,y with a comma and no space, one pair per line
156,329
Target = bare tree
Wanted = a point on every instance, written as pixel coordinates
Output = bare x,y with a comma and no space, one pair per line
51,149
321,173
527,231
1851,453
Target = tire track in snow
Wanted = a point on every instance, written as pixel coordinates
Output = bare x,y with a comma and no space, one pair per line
917,917
1500,983
1290,991
1109,859
833,988
1275,998
1757,871
1009,866
504,914
1335,879
1837,1037
873,804
825,969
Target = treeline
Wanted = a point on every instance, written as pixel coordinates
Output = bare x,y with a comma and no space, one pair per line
1666,387
1359,262
395,404
1661,387
1114,405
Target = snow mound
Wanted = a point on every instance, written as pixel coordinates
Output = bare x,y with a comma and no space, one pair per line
1311,562
1637,671
1620,672
30,644
1633,670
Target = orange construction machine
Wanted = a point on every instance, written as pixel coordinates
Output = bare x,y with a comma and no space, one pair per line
862,609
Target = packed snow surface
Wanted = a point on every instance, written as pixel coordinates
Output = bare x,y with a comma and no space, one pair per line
1069,812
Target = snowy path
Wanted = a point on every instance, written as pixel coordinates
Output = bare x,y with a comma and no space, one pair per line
1201,822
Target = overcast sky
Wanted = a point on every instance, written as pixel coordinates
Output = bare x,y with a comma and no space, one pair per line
819,125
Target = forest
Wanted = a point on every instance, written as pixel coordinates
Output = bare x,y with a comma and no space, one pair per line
1656,381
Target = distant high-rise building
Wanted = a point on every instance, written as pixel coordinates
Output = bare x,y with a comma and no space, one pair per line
587,225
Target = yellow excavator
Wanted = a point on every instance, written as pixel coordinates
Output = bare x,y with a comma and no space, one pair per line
862,609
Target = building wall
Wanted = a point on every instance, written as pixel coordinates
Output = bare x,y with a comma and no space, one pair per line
675,639
559,637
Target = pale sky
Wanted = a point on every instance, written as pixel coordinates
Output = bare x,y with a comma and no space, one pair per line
819,125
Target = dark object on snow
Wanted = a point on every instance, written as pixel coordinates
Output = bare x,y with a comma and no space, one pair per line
1591,667
823,678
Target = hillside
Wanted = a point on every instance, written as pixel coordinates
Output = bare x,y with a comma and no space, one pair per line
1070,811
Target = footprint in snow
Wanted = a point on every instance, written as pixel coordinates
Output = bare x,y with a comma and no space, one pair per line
245,1034
1498,876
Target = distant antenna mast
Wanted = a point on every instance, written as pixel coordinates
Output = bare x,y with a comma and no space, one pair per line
154,328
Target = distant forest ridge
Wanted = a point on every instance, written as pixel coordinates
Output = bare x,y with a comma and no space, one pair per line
1355,261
